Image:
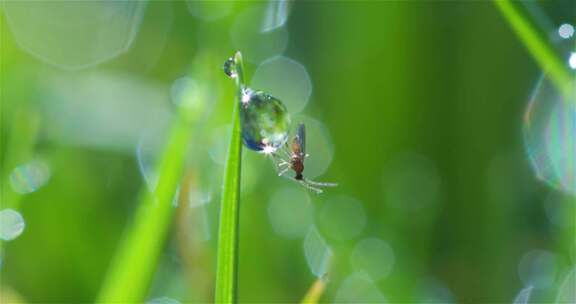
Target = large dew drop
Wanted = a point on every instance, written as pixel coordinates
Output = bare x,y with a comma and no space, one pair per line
265,121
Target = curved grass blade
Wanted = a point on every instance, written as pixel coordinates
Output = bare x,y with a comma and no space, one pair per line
133,267
227,262
315,292
538,47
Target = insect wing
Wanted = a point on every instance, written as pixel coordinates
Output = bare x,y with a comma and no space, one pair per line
301,138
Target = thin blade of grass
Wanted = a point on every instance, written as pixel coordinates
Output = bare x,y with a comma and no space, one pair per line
315,292
227,261
538,46
133,267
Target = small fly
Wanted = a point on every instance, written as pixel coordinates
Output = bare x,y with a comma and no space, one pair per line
296,156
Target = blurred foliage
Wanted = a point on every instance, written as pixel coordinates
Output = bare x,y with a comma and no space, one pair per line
421,104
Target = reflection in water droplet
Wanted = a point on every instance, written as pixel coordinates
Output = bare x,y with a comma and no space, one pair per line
550,137
265,121
358,288
246,35
317,252
318,146
566,31
405,173
567,290
74,34
29,177
342,218
163,300
287,79
230,68
290,212
523,296
11,224
374,257
277,12
209,10
537,268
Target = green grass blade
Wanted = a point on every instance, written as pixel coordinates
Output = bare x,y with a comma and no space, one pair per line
538,46
133,267
227,261
315,292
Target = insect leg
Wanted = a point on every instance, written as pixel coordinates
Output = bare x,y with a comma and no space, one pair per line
321,184
309,187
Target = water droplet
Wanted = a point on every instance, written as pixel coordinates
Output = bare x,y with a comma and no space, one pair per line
264,119
523,296
359,288
342,218
288,79
537,268
317,252
81,33
29,177
373,256
550,137
230,68
11,224
566,31
290,212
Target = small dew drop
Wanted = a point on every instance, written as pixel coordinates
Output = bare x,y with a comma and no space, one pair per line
11,224
230,68
566,31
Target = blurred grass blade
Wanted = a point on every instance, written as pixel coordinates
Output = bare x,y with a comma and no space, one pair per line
315,292
538,46
133,266
227,262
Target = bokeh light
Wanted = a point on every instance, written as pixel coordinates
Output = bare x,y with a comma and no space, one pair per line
163,300
567,290
210,10
538,268
406,172
277,12
566,31
374,257
432,290
247,35
11,224
550,137
29,177
286,79
317,253
359,288
291,212
572,60
342,218
74,34
523,296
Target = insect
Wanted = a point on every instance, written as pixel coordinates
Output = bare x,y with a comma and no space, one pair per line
296,154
